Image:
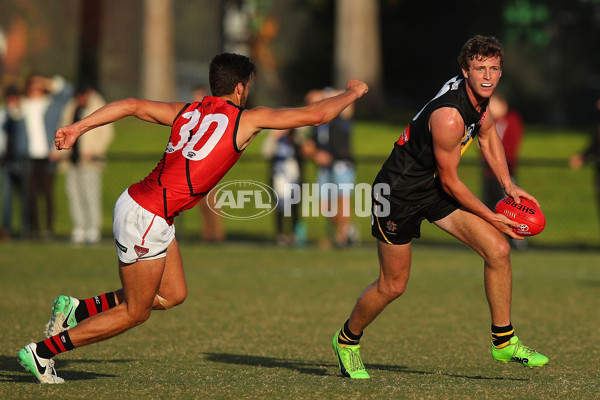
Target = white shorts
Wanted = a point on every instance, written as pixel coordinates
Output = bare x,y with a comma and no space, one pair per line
139,234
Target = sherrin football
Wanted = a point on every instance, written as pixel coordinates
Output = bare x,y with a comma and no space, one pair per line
529,216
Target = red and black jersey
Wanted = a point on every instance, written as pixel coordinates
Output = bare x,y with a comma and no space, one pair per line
202,148
411,168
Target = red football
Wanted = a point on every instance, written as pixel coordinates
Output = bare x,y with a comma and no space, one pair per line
529,216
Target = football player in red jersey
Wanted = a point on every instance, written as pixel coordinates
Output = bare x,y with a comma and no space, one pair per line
207,138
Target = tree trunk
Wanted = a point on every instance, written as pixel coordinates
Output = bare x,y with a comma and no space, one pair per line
158,64
358,46
90,29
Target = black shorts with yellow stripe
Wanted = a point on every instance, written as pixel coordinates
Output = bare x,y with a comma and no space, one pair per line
400,223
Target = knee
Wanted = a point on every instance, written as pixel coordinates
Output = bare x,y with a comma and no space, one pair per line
173,299
498,253
178,298
392,289
137,317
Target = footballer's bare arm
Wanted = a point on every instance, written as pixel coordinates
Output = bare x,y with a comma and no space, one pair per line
152,111
254,120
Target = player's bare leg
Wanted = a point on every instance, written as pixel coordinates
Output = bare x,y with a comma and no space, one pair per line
394,271
142,281
491,245
68,311
173,287
147,285
495,251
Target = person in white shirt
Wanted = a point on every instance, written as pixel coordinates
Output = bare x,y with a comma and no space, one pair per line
84,165
41,109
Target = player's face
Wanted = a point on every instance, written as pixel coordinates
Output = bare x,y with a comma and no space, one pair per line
482,77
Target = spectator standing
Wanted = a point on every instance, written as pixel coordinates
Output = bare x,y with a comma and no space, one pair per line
282,147
44,101
13,163
591,155
84,166
330,148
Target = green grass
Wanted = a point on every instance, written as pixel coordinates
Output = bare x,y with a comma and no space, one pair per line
258,323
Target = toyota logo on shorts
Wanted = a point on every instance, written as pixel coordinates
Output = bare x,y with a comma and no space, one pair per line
242,199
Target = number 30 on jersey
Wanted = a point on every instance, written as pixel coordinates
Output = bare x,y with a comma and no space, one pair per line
187,145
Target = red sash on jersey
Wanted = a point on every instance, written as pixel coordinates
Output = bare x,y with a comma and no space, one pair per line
202,148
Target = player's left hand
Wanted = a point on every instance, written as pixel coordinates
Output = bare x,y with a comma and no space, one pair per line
65,137
516,193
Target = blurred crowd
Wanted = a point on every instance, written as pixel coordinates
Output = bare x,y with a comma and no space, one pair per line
329,146
29,117
29,163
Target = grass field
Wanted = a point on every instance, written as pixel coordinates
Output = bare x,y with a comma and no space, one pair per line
259,319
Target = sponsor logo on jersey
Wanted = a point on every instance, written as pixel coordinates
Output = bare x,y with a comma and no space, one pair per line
482,118
404,137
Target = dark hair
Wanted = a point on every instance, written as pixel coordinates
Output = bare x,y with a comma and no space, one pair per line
30,78
480,47
83,86
227,70
11,90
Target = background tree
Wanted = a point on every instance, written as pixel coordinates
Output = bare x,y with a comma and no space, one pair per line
358,46
158,66
90,28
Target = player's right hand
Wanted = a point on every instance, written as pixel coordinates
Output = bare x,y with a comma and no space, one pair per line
505,225
357,86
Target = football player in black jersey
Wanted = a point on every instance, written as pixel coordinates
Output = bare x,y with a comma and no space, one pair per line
420,181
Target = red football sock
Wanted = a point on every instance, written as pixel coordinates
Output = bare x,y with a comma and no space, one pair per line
94,305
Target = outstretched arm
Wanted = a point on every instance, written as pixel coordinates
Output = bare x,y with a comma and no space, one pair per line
254,120
152,111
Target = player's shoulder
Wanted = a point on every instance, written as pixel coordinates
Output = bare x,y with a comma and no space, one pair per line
256,116
446,117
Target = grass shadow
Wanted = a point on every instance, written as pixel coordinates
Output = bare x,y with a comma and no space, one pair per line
405,370
316,368
311,368
11,370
